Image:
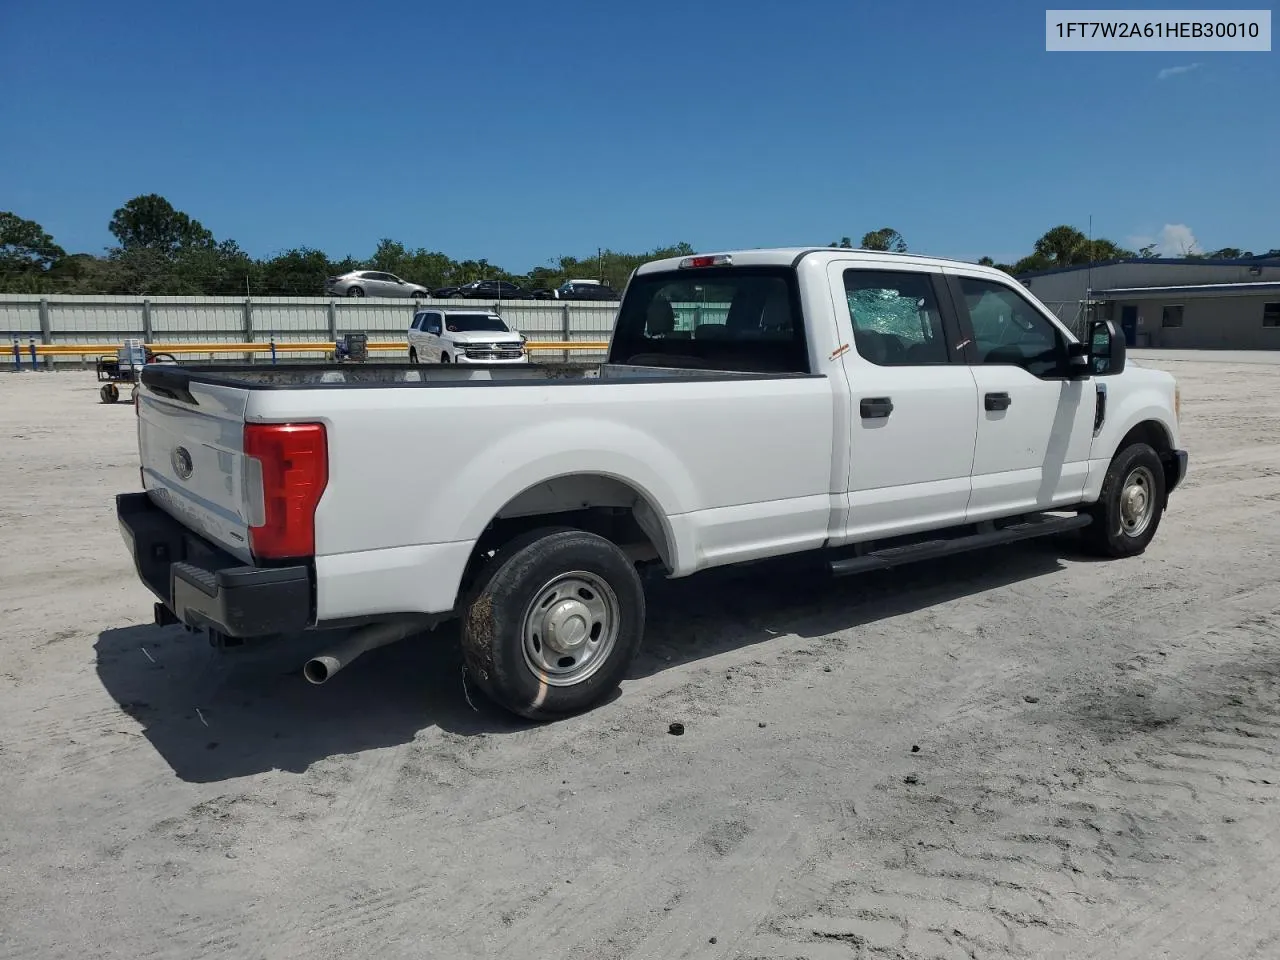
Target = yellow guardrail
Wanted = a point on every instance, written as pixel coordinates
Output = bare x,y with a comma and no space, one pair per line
279,346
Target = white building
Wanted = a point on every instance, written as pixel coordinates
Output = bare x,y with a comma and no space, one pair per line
1186,303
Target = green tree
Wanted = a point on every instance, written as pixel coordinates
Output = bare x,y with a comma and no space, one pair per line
1031,263
296,273
886,238
1062,246
1229,253
150,222
83,273
844,244
1103,249
220,270
25,246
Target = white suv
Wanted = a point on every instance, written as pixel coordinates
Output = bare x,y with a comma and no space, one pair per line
464,336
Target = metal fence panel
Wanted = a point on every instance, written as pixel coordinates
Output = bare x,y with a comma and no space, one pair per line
191,319
92,319
19,318
109,320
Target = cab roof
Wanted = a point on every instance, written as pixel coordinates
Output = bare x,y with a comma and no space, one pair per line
792,256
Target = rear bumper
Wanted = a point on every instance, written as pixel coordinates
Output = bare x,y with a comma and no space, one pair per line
204,586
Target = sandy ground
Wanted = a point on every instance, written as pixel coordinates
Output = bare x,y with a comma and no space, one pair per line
1096,775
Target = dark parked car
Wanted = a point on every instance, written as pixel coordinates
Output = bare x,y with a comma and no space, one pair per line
492,290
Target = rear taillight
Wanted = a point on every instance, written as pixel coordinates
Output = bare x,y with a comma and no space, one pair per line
293,460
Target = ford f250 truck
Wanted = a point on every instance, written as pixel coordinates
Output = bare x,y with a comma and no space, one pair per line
870,408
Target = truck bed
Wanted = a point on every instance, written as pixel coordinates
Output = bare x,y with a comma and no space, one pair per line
175,380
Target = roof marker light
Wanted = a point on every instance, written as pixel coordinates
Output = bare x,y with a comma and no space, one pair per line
719,260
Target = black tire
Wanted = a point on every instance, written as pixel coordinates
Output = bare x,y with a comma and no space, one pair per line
110,393
444,358
355,292
499,606
413,355
1111,534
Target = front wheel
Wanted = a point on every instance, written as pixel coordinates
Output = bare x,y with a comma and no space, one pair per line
355,292
444,358
553,623
413,355
1128,511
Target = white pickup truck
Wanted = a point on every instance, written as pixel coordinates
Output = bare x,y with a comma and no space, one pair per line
875,408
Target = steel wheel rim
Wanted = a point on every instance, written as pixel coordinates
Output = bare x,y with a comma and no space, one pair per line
570,628
1137,501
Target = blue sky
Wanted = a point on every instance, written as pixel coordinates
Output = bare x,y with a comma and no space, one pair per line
519,131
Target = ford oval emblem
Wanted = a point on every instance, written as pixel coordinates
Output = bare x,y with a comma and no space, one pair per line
182,464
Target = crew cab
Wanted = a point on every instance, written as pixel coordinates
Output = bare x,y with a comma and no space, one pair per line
463,336
864,408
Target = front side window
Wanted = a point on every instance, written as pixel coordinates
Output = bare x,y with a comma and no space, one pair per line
1007,329
895,317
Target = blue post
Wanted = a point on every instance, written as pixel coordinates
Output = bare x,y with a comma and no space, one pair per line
31,343
17,354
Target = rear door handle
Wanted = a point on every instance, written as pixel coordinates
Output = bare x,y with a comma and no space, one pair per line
875,408
997,401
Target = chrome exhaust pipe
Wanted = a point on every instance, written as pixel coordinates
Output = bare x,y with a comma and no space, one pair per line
321,668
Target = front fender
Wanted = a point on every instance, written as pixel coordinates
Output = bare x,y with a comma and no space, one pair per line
1138,395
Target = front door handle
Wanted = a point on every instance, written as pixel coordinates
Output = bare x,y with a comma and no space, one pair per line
875,408
997,401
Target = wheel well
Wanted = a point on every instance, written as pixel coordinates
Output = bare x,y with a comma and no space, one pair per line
597,503
1154,435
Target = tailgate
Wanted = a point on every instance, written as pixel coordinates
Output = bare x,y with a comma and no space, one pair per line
191,444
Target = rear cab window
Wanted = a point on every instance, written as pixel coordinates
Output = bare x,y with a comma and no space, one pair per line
726,318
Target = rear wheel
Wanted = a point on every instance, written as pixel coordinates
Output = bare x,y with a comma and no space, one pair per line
413,355
110,393
355,292
553,623
1128,511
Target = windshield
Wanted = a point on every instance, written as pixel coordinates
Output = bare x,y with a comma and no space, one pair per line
474,322
733,318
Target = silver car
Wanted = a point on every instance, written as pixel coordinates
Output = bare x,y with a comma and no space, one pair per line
373,283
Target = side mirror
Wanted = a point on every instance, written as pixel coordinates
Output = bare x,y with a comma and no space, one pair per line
1106,349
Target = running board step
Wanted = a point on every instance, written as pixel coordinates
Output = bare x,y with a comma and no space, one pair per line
1041,525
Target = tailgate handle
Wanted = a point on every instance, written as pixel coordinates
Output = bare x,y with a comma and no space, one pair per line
875,408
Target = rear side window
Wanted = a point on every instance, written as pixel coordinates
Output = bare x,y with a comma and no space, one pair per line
895,317
729,318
